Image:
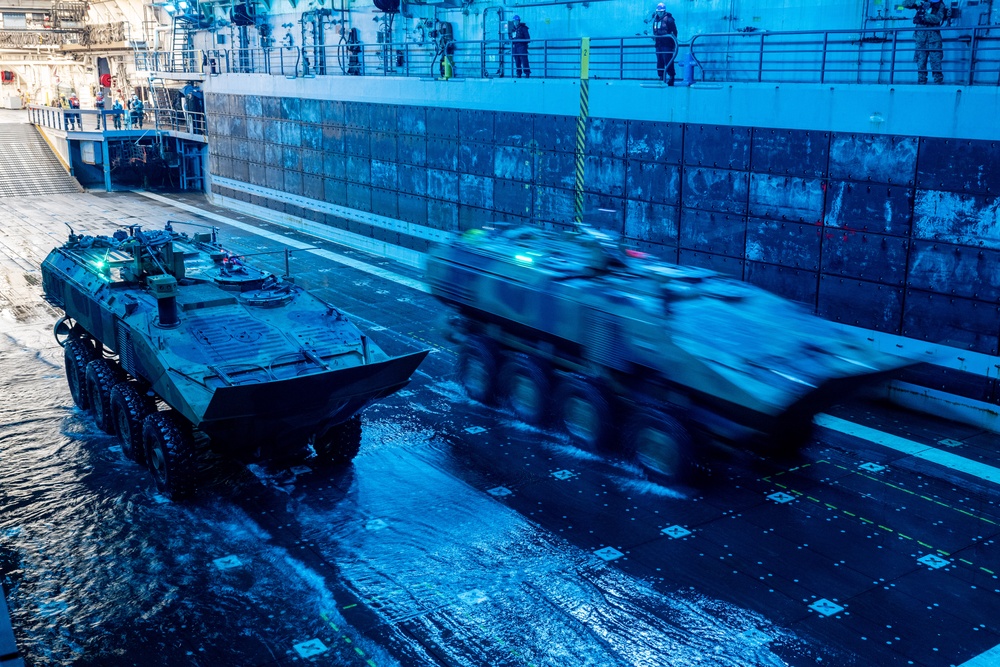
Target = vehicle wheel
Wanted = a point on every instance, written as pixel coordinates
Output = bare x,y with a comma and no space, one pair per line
526,389
102,376
791,437
477,369
339,445
170,453
78,352
584,412
661,443
129,407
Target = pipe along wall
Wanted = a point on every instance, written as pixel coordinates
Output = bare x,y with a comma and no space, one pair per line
888,233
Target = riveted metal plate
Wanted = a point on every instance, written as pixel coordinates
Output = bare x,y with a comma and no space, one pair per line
720,263
442,185
604,212
514,129
357,115
442,215
384,202
653,182
442,154
271,107
555,169
312,186
333,139
291,158
789,244
442,123
384,174
956,165
312,137
383,118
383,146
869,207
334,166
475,190
555,133
474,158
293,182
873,158
412,209
412,180
713,233
512,197
412,150
963,219
952,321
654,223
955,270
872,257
252,105
786,198
717,146
359,170
803,153
476,125
291,108
861,303
794,284
357,142
721,190
513,163
655,142
606,137
359,196
411,120
335,191
604,175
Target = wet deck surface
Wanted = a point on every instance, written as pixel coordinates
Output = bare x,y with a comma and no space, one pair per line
460,536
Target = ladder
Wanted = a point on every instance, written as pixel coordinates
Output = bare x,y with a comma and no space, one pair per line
183,43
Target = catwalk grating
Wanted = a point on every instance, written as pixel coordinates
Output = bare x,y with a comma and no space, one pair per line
27,165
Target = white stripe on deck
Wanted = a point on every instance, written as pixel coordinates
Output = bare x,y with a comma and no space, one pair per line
915,449
989,659
292,243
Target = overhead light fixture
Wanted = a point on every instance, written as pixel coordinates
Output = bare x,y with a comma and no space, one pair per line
183,5
169,8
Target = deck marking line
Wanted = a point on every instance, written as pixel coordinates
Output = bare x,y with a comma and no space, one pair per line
907,537
967,562
886,528
924,544
985,570
915,449
292,243
988,659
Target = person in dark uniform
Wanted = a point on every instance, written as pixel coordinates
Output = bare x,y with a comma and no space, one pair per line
99,105
927,38
519,38
665,40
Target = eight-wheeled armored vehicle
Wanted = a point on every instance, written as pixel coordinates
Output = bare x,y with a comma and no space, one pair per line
627,352
168,338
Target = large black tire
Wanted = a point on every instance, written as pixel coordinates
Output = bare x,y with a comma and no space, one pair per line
129,408
660,443
339,445
477,369
170,453
583,411
78,352
102,376
526,390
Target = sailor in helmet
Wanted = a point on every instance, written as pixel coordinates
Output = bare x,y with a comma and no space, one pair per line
519,38
99,105
665,39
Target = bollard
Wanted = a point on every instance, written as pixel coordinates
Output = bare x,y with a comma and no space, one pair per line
687,65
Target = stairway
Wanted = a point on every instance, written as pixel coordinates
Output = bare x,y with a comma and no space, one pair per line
28,167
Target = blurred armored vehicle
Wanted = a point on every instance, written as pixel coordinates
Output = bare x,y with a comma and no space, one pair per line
635,355
158,319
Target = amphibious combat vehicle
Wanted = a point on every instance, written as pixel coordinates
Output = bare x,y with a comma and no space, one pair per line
168,338
629,353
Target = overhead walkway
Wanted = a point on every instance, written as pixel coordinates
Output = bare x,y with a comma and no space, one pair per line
28,167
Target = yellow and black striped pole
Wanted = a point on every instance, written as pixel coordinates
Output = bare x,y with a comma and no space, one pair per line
581,127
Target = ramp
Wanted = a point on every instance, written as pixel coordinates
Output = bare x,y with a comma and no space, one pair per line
28,166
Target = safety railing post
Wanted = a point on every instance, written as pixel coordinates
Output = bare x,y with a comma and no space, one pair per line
621,59
822,61
760,60
892,57
972,57
545,58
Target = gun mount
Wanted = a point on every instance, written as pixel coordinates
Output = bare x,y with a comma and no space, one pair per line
254,362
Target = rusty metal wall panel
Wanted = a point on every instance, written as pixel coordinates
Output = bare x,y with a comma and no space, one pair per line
270,107
442,154
653,182
333,139
237,127
872,257
511,162
801,153
291,158
794,284
555,133
957,165
291,133
603,212
442,185
472,217
359,196
861,303
412,180
359,170
653,223
383,146
312,187
412,209
257,174
789,244
655,142
312,137
953,321
867,207
786,198
605,137
335,191
713,233
412,150
442,215
291,108
273,155
384,202
717,146
293,182
357,115
719,263
312,162
310,111
255,129
411,120
384,174
442,123
604,175
383,118
476,125
253,105
963,219
874,158
555,169
357,142
514,129
512,197
475,190
334,166
474,158
955,270
552,204
721,190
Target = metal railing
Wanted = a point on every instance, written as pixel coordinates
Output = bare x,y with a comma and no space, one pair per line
191,61
971,57
110,120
